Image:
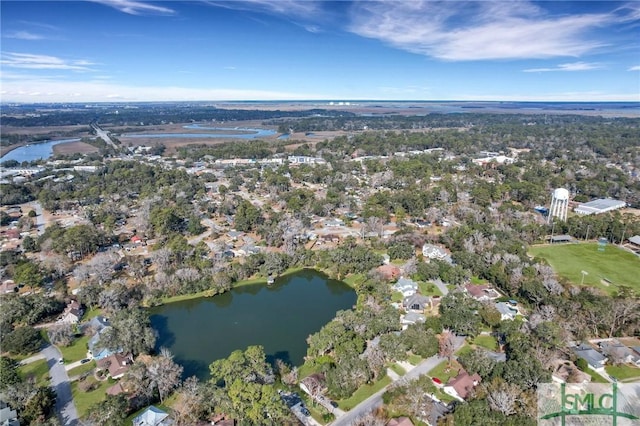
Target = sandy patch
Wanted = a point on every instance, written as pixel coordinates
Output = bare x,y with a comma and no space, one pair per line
73,147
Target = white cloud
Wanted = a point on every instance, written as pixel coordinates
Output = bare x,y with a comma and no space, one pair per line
574,66
133,7
34,61
23,35
634,68
477,30
295,8
25,88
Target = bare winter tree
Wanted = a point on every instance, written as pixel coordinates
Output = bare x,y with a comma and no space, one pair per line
164,374
503,396
161,258
61,334
101,267
446,345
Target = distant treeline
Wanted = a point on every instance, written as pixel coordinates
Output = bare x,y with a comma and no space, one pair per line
151,115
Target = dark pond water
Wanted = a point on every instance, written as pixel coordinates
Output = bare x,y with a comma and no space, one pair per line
35,151
279,317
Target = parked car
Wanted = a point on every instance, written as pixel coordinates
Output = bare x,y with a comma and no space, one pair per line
84,361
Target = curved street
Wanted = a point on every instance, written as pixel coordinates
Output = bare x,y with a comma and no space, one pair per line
65,408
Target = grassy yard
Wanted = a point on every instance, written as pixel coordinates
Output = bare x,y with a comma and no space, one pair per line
84,400
465,349
429,289
488,342
397,297
595,377
623,372
414,359
81,369
38,371
615,265
75,352
443,373
363,393
398,369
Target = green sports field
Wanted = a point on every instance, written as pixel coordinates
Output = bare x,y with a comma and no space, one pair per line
606,270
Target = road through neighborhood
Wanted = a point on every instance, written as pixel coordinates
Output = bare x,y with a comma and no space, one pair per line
65,407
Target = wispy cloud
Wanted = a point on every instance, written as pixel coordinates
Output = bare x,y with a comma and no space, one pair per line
35,89
477,30
133,7
574,66
634,68
23,35
292,8
34,61
304,13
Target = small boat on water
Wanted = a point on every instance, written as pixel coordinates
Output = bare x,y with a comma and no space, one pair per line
270,280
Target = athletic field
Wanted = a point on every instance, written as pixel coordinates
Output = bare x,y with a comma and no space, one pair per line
607,270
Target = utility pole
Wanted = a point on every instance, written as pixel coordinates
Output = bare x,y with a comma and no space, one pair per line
587,236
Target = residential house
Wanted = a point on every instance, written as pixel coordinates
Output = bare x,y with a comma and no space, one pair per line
333,223
116,364
400,421
116,389
72,313
8,417
482,292
412,318
416,302
152,416
406,286
507,312
594,358
617,352
433,252
389,272
462,385
313,384
567,372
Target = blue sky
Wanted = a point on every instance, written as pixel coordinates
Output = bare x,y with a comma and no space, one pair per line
129,50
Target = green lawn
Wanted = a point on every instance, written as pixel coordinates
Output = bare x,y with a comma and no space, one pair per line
398,369
37,370
81,369
488,342
84,400
75,352
363,393
478,281
623,372
617,266
397,297
595,377
414,359
429,289
440,371
465,349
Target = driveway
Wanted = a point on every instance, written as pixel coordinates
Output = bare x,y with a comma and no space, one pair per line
375,400
65,407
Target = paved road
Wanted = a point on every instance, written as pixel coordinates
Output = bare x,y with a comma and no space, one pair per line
103,135
40,224
375,400
31,359
65,407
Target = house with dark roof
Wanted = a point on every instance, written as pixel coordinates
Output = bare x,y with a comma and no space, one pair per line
482,292
462,385
594,358
72,313
416,302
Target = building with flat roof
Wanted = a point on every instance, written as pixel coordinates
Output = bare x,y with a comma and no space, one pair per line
601,205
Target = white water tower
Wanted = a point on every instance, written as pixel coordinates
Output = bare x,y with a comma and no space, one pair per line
559,204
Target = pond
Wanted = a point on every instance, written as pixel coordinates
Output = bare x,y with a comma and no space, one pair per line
279,317
34,151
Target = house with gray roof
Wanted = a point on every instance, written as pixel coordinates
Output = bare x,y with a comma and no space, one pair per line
506,311
412,318
406,286
594,358
152,416
617,352
416,302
